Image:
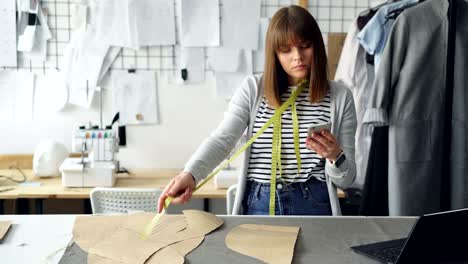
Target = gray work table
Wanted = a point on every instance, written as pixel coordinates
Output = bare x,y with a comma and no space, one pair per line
321,239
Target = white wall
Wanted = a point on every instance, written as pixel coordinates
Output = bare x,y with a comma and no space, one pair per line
187,115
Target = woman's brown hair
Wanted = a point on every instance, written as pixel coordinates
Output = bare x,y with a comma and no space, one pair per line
294,25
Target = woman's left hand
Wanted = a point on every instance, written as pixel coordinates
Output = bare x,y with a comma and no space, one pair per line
325,144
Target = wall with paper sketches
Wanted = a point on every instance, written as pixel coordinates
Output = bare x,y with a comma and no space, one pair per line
187,113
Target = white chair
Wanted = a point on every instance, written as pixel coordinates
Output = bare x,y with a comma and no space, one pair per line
123,200
230,196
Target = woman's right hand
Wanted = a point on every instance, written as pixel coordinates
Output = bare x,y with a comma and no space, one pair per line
181,188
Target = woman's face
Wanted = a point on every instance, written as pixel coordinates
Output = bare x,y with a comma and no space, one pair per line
296,60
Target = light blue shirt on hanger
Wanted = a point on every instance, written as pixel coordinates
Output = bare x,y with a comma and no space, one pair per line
374,35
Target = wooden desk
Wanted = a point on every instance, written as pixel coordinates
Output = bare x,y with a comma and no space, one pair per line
51,188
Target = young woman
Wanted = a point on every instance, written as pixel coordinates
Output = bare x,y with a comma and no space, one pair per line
306,183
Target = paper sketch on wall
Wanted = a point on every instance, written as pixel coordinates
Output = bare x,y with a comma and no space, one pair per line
135,97
33,31
199,24
238,26
84,57
228,81
133,24
8,33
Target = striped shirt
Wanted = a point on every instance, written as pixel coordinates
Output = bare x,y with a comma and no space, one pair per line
312,165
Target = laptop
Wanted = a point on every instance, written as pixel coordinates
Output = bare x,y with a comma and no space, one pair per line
434,238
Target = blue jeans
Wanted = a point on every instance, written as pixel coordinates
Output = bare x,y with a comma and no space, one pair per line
304,198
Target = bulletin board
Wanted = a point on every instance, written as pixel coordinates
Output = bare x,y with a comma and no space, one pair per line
331,15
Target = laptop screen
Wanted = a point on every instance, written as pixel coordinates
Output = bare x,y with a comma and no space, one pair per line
437,238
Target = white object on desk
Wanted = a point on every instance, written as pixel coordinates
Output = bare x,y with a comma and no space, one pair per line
30,184
48,157
89,174
226,178
34,238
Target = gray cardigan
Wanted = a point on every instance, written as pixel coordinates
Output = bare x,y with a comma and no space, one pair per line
240,116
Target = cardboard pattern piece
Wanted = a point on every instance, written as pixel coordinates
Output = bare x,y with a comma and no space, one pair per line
120,241
173,254
271,244
4,226
87,240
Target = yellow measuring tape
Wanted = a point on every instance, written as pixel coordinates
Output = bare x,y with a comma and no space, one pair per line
276,148
276,154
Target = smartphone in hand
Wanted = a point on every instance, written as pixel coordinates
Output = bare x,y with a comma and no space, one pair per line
316,128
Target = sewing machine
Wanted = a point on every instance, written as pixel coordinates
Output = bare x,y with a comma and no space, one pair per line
97,165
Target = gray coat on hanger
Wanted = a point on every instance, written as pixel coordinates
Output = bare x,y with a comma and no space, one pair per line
408,96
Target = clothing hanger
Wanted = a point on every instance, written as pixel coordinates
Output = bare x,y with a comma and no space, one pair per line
366,15
394,13
371,11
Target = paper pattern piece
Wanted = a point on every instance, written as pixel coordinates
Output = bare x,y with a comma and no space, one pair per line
84,57
27,31
223,59
154,21
111,55
240,24
173,254
4,227
228,82
119,241
112,23
200,23
8,33
41,34
271,244
78,14
134,97
136,23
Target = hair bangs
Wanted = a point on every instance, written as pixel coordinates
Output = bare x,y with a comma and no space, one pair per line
290,30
